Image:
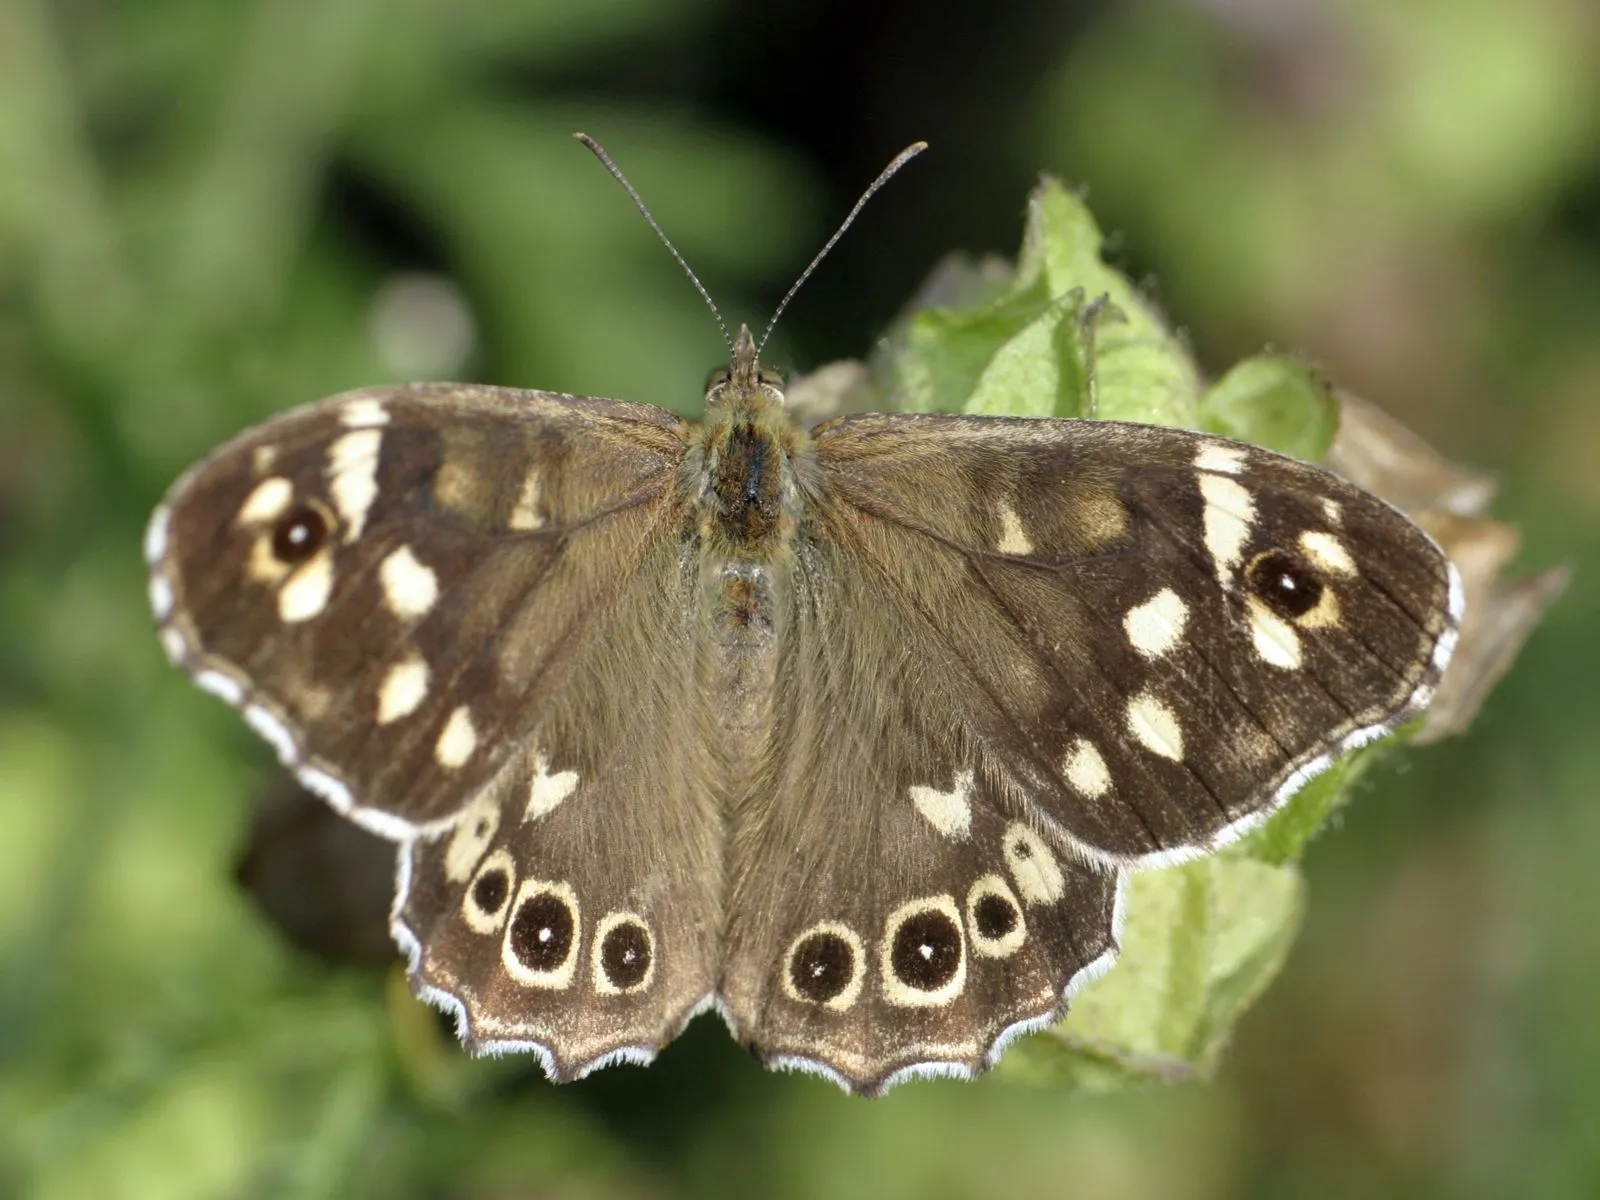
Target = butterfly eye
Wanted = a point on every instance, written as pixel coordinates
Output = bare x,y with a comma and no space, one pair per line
543,932
299,534
770,379
825,965
624,954
994,919
488,896
717,378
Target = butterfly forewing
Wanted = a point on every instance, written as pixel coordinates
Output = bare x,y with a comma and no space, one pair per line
390,583
1152,634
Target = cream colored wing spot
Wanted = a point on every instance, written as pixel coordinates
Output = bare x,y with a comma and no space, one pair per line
994,919
1255,744
540,947
1033,865
527,515
267,501
363,413
1275,641
409,587
1155,628
265,566
262,459
457,740
157,534
1229,515
1100,517
460,487
353,477
948,812
924,953
173,646
1215,456
1327,551
1085,769
472,835
1013,538
1325,614
623,956
826,965
1155,726
305,593
403,690
161,598
487,899
1332,510
547,790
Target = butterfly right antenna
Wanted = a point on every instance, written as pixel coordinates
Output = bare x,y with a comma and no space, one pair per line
884,176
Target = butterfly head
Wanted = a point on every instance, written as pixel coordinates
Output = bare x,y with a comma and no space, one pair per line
744,382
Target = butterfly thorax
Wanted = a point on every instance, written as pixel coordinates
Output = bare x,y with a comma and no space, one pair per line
747,465
748,477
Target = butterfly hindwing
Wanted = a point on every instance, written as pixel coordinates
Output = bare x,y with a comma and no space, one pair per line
1155,635
575,907
893,906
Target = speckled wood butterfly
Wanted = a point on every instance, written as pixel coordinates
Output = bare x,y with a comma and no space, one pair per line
848,733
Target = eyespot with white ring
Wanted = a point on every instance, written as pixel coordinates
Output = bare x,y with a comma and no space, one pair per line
488,896
825,965
540,947
994,918
924,959
623,958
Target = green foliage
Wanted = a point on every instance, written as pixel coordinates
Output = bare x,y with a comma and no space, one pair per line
1066,336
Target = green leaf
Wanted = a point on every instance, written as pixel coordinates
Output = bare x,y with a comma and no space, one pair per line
1200,942
1275,402
1065,336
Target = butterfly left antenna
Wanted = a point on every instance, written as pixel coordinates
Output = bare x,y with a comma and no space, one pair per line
616,171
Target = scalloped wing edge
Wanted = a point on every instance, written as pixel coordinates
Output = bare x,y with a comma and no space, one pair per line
1299,774
642,1054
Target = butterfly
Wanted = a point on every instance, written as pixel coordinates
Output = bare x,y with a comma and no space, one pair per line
850,733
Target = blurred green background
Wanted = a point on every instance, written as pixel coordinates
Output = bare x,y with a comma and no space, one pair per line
212,211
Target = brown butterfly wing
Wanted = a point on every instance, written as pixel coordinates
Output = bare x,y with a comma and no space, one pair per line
575,909
894,908
1154,635
460,615
388,583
